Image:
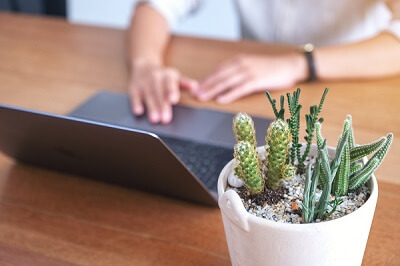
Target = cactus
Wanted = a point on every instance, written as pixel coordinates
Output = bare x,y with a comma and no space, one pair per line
288,171
355,168
362,176
277,145
281,113
359,152
341,183
294,124
346,172
310,188
311,119
320,142
243,128
248,167
330,170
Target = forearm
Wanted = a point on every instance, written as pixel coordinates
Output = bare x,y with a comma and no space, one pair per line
373,58
148,35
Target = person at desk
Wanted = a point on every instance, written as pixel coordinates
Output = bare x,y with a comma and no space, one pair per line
355,40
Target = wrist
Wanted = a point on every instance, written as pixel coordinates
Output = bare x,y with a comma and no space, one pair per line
307,51
301,67
148,61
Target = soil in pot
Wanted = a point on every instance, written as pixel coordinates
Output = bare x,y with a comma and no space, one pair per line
284,204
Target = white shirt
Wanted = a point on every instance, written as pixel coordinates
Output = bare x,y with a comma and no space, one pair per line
296,22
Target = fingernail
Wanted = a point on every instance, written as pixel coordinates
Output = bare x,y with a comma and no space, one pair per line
166,118
174,98
138,110
154,117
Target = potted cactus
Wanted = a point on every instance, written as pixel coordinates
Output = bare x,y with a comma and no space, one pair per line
292,203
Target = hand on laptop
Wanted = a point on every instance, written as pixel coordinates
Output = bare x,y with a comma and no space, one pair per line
246,74
158,88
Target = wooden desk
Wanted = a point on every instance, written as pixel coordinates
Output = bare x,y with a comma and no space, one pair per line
55,219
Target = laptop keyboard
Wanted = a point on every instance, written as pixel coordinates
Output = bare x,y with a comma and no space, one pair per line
204,160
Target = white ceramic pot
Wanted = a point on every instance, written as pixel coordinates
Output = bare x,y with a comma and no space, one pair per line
257,241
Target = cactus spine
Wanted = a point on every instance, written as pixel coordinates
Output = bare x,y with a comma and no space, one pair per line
248,167
277,145
243,128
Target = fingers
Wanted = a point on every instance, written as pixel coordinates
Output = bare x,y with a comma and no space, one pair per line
172,86
189,84
236,93
158,89
164,88
153,109
136,99
231,80
230,74
221,73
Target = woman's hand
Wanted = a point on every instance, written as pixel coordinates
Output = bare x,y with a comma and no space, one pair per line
246,74
158,88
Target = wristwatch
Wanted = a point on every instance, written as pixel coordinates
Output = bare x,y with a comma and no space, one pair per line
308,50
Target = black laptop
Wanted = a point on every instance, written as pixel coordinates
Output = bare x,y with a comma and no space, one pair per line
102,140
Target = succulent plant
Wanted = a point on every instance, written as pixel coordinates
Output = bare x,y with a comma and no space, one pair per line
243,128
310,188
345,172
294,124
277,146
359,178
281,113
341,183
248,167
350,165
311,119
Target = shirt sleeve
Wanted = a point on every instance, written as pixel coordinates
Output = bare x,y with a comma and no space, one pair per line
174,10
394,26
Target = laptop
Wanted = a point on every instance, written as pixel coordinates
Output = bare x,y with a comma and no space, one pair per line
102,140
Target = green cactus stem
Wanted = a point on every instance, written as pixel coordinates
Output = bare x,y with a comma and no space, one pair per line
365,173
288,171
243,128
308,204
320,143
311,119
277,146
330,170
281,113
359,152
341,182
352,142
248,167
355,168
294,124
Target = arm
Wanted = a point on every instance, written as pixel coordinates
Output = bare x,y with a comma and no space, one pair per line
373,58
246,74
152,84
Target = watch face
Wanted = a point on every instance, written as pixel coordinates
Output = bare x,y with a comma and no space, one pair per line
309,47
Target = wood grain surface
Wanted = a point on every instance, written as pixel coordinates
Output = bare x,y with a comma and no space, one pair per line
49,218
